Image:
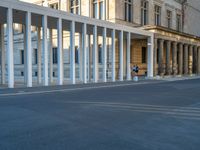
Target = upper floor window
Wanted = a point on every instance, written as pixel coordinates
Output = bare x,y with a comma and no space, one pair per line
75,6
169,19
98,9
144,12
54,5
178,22
157,10
128,10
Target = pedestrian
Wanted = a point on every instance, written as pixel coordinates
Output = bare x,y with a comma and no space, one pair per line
136,69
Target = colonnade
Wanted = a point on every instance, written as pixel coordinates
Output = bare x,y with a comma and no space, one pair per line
44,74
176,58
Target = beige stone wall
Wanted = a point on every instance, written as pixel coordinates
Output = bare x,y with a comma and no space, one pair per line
136,55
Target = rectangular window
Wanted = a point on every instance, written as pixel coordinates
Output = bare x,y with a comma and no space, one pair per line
178,22
101,13
55,57
128,10
36,55
76,55
144,12
22,57
100,54
169,19
144,55
157,10
98,9
75,6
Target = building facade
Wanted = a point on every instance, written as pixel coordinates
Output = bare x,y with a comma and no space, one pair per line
153,34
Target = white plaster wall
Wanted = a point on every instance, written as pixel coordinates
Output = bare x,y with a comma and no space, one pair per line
192,17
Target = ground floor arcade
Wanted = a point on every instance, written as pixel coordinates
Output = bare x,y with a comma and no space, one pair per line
44,67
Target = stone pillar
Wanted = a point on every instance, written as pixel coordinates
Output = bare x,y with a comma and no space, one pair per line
121,55
72,53
25,54
150,56
174,58
50,56
185,62
89,58
95,59
80,58
28,50
10,61
198,58
2,47
160,58
180,58
190,62
113,55
195,62
60,51
39,57
45,51
155,57
84,32
104,55
128,77
168,48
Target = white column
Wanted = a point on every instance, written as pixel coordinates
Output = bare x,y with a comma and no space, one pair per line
10,62
150,56
25,54
39,57
121,55
72,53
104,9
50,56
128,56
95,59
2,55
80,57
60,50
113,55
29,50
84,30
45,51
104,55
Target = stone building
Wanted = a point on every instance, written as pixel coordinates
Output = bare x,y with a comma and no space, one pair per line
176,42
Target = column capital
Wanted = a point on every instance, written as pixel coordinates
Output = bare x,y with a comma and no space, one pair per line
174,42
161,40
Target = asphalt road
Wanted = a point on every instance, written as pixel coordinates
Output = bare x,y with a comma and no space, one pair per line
154,116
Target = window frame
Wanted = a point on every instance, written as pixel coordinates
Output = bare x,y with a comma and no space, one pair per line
128,10
144,8
169,18
178,22
157,15
75,5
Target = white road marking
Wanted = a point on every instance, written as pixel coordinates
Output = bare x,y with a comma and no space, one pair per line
174,111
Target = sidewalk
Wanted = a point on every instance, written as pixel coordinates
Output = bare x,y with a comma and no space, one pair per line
69,87
176,78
